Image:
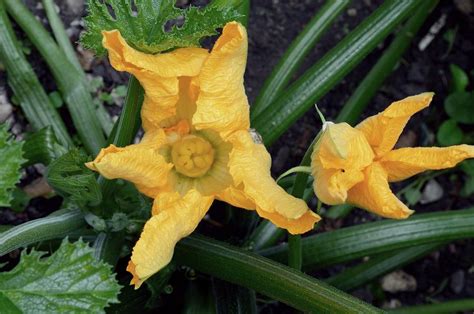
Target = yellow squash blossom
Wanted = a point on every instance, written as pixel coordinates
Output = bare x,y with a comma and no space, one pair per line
197,146
355,165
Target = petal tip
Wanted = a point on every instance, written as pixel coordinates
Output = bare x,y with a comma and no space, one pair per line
136,281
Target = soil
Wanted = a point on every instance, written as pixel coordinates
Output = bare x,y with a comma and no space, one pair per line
443,275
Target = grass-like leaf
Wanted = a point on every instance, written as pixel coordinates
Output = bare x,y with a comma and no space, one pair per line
153,26
12,158
71,280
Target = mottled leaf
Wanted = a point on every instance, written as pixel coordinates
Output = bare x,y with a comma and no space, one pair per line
71,280
154,26
11,160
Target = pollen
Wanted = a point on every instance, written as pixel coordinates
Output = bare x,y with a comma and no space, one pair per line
192,156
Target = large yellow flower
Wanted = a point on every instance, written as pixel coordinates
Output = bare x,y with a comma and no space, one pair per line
197,146
355,165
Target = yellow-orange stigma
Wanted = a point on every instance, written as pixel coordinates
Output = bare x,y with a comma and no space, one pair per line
192,156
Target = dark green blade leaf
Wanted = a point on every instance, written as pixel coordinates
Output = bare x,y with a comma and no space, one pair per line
350,243
328,71
70,280
145,26
294,56
11,153
379,265
70,178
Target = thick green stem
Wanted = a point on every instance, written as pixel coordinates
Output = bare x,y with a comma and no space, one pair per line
265,276
296,53
51,227
60,34
69,80
34,101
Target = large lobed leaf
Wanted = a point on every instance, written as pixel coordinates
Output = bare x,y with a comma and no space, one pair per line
71,280
148,25
11,160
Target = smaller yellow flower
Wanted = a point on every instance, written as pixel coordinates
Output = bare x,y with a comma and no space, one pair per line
355,165
197,146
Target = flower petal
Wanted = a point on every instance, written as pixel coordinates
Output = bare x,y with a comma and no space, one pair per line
236,197
300,225
331,186
374,195
174,218
403,163
383,130
250,165
222,104
337,161
158,74
140,164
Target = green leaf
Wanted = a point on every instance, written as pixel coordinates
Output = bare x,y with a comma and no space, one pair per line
459,78
468,166
468,187
56,99
412,195
346,244
144,26
12,159
449,133
460,107
70,280
70,178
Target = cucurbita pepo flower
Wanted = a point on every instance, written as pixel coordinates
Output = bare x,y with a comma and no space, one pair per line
197,146
355,165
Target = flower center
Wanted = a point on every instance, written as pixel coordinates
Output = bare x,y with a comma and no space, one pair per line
192,156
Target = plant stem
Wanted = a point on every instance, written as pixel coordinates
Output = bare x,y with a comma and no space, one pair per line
51,227
60,34
69,80
34,101
265,276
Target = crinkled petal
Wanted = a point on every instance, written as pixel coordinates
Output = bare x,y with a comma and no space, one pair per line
374,195
140,164
383,130
403,163
337,162
174,218
236,196
300,225
250,166
158,74
222,104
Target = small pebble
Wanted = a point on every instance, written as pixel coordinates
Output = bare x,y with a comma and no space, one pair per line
398,281
352,12
457,281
